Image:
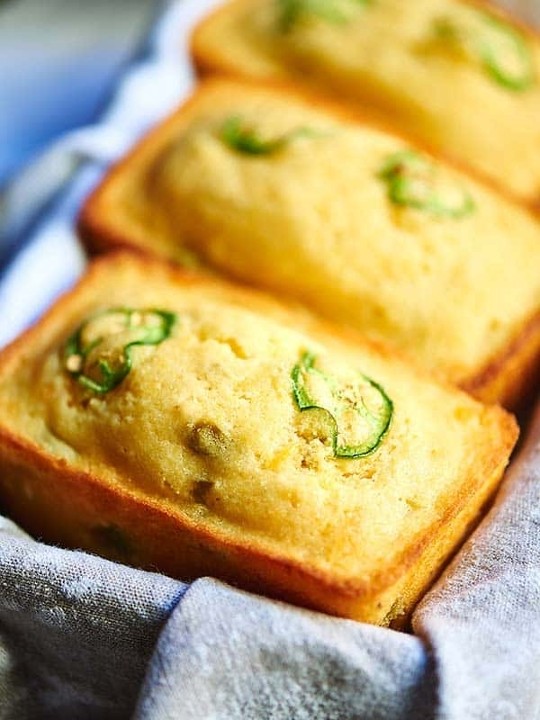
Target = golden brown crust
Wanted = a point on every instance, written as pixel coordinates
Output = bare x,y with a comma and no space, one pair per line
64,505
511,378
96,231
100,235
206,62
507,378
209,62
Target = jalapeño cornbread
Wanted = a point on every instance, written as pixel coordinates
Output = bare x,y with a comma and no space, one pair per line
187,425
278,191
461,76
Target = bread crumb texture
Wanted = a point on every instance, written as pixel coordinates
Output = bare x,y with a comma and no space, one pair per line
455,74
206,422
418,255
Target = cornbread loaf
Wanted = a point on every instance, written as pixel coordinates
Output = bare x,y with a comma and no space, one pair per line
461,76
281,192
182,424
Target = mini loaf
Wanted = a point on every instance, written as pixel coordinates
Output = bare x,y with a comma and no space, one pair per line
460,76
279,191
179,423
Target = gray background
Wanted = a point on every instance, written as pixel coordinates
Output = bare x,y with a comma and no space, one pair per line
59,60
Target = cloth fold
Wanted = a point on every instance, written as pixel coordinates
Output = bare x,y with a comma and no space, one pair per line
482,620
227,654
475,655
81,637
76,631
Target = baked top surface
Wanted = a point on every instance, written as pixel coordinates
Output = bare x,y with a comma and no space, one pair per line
205,425
457,74
316,221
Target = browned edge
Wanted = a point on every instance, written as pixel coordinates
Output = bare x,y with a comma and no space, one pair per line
208,63
26,454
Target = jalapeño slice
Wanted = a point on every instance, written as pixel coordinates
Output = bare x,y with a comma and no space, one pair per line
500,49
242,137
505,55
358,409
99,353
414,180
292,12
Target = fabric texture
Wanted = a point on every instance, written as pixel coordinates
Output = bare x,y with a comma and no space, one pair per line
77,631
481,621
475,654
84,638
